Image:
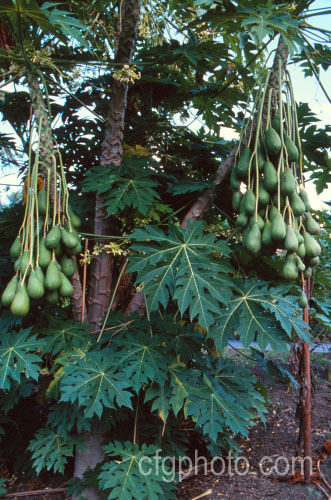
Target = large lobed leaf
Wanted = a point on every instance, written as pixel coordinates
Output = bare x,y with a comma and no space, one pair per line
141,358
130,185
261,311
93,384
18,357
135,473
62,335
50,450
182,264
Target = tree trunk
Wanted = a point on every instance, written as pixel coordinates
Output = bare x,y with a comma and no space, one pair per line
100,279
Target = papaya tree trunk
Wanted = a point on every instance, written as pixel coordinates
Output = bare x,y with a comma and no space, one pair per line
100,278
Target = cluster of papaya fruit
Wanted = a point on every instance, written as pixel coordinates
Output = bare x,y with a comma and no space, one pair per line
43,251
273,208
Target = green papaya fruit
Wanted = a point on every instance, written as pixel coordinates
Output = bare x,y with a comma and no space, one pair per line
77,250
243,163
69,239
262,212
290,271
17,263
292,150
301,250
36,287
264,196
313,248
58,250
300,265
259,221
242,220
266,234
53,278
287,182
40,274
308,272
45,255
275,123
66,288
291,240
53,237
68,266
242,205
253,241
250,201
52,297
281,199
24,264
72,231
20,305
234,180
278,227
245,232
297,204
272,141
272,211
311,225
15,249
58,265
260,158
74,219
236,199
299,236
304,196
270,180
313,261
9,292
42,202
303,302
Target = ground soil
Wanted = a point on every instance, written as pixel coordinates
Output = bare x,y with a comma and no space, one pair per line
278,437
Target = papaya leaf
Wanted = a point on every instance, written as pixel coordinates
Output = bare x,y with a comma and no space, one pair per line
8,400
134,473
61,335
65,21
183,264
93,384
215,410
28,10
17,357
240,383
184,384
63,417
141,358
184,340
262,311
130,185
160,394
50,450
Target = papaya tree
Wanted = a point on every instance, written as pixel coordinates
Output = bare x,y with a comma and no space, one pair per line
128,196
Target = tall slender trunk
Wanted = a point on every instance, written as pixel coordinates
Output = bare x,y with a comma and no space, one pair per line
100,279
